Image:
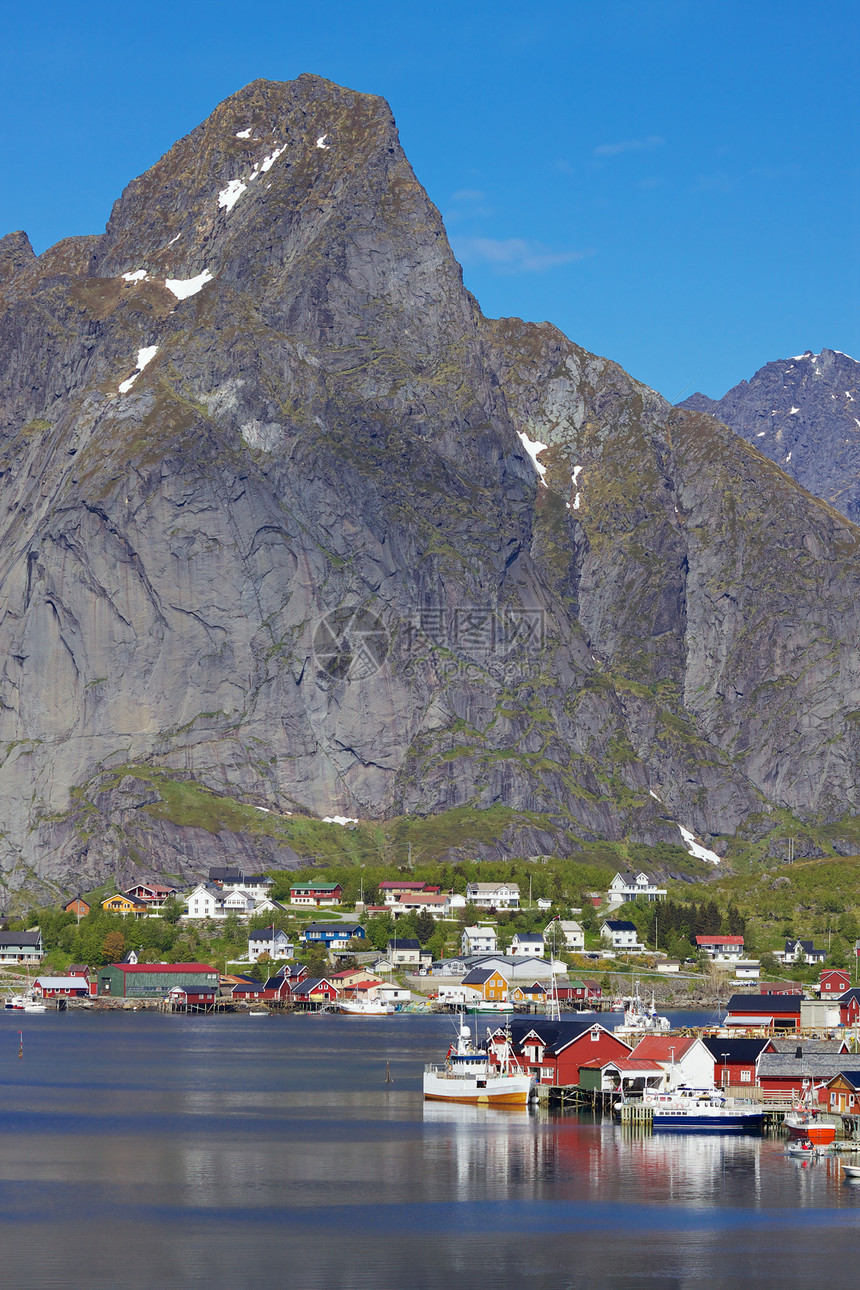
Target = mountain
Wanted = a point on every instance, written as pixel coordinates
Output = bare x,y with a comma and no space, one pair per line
804,414
291,532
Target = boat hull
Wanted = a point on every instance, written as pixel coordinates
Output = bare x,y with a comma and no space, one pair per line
680,1123
478,1088
813,1131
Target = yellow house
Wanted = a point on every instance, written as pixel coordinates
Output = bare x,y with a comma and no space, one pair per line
128,906
488,984
528,993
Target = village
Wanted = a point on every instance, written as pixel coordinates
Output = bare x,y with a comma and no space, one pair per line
583,1039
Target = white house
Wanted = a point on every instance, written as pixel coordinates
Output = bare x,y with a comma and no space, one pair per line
493,895
720,947
633,886
392,993
205,901
685,1061
543,903
271,941
800,952
568,934
527,945
420,902
404,952
747,969
479,940
620,933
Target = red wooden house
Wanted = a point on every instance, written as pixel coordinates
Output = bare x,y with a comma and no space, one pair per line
555,1050
735,1059
849,1007
833,983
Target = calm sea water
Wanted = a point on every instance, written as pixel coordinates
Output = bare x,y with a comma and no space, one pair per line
152,1153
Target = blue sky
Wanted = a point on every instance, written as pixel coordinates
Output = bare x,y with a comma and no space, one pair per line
673,183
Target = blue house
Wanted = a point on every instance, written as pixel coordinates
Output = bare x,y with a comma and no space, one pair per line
332,935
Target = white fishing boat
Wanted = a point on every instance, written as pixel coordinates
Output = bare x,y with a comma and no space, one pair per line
467,1076
23,1003
851,1171
641,1020
366,1007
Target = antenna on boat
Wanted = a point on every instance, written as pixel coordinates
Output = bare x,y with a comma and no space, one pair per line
553,1011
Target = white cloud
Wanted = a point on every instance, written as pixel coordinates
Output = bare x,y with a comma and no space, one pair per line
468,195
647,144
512,254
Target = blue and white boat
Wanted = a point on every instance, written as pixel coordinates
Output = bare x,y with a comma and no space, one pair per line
694,1110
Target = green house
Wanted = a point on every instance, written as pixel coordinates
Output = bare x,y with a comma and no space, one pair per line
153,980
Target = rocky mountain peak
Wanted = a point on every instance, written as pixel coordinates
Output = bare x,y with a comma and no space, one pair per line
290,531
804,414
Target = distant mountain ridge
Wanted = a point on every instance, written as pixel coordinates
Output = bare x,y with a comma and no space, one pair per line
804,414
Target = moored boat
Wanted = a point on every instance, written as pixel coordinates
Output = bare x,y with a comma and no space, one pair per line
366,1007
806,1120
467,1076
696,1109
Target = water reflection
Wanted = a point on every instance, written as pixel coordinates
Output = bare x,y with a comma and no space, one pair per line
142,1152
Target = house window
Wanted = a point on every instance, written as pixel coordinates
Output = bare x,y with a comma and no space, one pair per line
746,1077
595,1035
832,1099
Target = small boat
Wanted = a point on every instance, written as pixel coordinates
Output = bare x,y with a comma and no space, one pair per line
259,1012
468,1076
804,1149
489,1006
23,1003
851,1172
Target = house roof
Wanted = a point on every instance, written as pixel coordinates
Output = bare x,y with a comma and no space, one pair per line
404,943
807,946
529,938
164,967
619,925
736,1050
630,1065
122,895
392,884
808,1046
312,984
339,928
62,982
558,1035
488,888
711,939
270,933
809,1066
8,939
478,976
853,993
764,1003
192,989
422,898
663,1048
315,886
852,1076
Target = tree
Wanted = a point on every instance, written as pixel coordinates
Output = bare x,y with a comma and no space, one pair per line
317,961
256,971
171,910
113,946
425,926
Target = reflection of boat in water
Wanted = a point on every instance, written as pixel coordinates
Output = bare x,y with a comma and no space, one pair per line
467,1076
692,1109
807,1121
